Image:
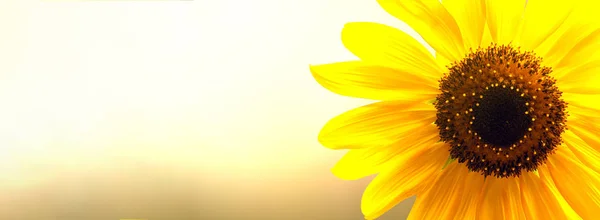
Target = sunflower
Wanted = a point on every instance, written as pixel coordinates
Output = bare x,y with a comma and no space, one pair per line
501,122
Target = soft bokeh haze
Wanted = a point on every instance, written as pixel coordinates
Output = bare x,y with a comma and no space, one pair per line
173,110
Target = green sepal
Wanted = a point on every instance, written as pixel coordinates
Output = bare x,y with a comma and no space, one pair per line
432,101
448,162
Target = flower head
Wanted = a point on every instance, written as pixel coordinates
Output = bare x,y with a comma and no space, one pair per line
502,122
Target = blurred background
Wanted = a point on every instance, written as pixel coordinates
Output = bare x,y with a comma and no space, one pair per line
173,110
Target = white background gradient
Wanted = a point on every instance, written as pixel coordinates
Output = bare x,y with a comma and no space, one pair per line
198,109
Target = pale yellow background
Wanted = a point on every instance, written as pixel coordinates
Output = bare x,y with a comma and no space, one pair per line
173,110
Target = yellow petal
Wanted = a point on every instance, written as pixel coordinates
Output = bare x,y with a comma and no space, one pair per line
579,111
554,50
583,140
501,199
359,163
537,26
378,43
454,195
362,80
580,23
585,50
442,62
586,128
486,40
470,16
377,124
578,184
432,21
583,79
546,179
412,175
504,19
539,202
586,154
472,196
582,100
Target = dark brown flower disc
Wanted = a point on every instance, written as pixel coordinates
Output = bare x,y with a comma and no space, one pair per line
500,111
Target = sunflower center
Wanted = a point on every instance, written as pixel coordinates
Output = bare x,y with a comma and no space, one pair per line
500,119
500,111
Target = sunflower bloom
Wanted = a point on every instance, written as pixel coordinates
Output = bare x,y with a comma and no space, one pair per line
502,122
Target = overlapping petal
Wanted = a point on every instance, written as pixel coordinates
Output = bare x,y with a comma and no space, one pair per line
501,199
382,44
470,15
582,100
583,79
539,202
580,22
454,184
537,26
584,152
377,124
371,81
410,176
586,49
359,163
578,184
504,19
558,51
432,21
586,128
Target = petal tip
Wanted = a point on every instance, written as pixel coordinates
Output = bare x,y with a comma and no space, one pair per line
325,138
